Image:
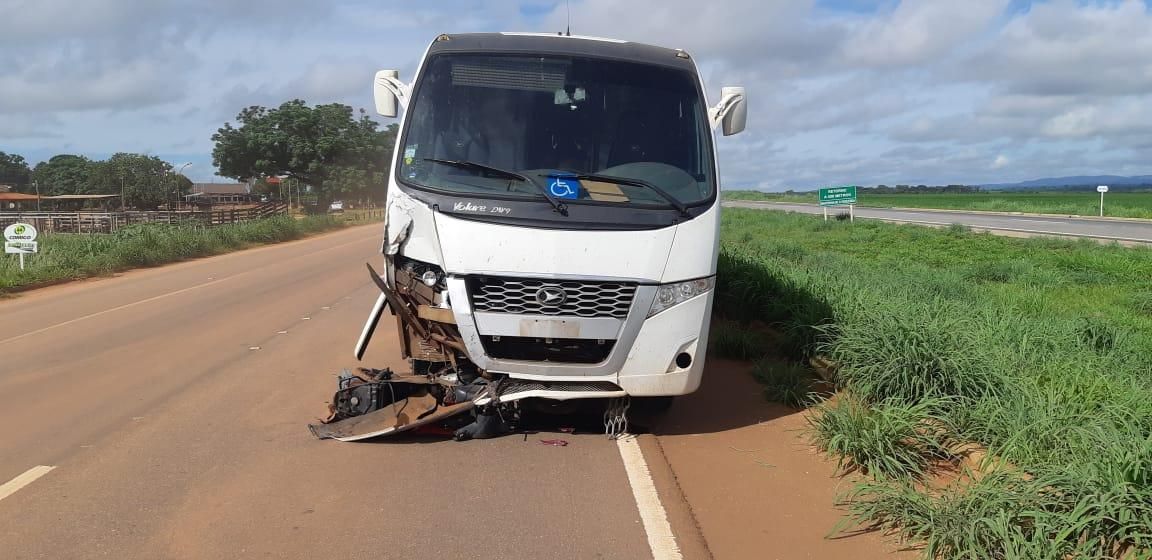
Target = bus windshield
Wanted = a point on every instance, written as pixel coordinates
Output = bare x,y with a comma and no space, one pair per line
509,125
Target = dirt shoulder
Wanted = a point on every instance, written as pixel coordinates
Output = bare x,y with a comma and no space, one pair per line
754,487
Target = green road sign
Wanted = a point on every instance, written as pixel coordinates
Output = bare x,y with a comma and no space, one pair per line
837,196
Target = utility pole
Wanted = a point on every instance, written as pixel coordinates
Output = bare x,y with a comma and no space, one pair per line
36,185
176,187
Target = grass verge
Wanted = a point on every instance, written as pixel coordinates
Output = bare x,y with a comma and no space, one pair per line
1037,350
73,256
1117,204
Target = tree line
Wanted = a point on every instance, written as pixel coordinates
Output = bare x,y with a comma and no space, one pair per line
902,189
330,150
144,181
914,189
338,153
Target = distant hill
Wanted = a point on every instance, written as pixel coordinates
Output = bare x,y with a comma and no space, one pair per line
1073,181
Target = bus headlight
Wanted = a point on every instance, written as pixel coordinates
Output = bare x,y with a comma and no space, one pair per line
671,295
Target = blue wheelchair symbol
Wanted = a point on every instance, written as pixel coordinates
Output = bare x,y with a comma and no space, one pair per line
561,187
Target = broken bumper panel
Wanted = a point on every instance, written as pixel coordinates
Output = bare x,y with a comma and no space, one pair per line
409,414
372,403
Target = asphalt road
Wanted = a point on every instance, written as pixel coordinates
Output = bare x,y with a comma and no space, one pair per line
173,404
1120,230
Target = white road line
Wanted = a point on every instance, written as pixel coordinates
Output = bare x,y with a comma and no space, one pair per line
661,541
1019,230
117,308
169,294
23,480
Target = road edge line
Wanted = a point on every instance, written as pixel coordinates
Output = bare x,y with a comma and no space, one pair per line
685,525
24,479
661,541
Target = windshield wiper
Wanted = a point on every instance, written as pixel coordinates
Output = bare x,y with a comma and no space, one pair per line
675,202
559,206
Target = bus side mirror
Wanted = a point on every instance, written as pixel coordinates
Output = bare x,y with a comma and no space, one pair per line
386,89
734,109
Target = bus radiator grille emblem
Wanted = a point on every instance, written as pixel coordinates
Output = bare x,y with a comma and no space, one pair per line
550,296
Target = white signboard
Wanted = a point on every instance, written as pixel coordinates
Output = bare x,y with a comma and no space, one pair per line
20,232
1102,189
20,247
20,239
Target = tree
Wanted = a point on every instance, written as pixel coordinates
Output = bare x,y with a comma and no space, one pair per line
146,182
323,146
14,171
64,174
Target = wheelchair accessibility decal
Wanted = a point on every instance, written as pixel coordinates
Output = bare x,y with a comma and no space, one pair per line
563,187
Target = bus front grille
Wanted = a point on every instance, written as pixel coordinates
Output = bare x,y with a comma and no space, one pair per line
532,296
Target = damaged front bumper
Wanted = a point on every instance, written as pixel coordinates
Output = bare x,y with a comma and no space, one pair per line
372,403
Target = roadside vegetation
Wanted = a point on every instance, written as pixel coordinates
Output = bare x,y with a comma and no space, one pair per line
996,392
74,256
1116,204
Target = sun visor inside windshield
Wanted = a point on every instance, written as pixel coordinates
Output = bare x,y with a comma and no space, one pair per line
523,74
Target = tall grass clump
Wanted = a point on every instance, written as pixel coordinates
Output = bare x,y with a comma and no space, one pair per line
789,383
730,340
886,439
1141,302
73,256
911,354
1000,516
1036,351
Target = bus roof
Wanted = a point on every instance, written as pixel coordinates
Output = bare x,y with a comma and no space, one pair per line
543,43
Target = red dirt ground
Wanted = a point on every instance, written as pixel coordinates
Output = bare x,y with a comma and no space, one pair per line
756,488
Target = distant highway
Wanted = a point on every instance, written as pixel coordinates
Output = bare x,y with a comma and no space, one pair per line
1118,230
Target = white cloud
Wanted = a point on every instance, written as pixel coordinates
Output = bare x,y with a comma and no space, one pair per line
1076,122
778,37
1066,48
902,91
37,126
130,85
918,31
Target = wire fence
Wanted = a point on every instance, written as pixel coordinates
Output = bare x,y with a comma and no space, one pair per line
110,222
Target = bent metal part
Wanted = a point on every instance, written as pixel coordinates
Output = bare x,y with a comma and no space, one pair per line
371,403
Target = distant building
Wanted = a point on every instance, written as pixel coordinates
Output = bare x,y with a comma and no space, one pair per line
221,193
11,201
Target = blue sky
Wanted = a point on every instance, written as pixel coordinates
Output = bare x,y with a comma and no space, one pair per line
841,91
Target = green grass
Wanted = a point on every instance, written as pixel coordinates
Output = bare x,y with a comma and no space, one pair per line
74,256
1119,204
769,196
886,439
998,517
790,383
1039,350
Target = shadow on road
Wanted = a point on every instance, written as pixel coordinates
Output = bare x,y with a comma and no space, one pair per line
728,399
